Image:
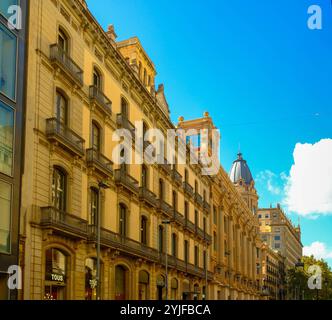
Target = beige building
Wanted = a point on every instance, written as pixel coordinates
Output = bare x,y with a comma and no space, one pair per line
278,232
82,86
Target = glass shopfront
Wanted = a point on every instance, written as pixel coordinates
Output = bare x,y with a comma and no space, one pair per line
55,275
90,279
5,216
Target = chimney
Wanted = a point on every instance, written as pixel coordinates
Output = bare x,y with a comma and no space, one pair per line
111,33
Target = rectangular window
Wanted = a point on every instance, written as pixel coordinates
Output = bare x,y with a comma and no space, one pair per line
5,216
196,256
277,238
8,46
277,246
6,139
4,6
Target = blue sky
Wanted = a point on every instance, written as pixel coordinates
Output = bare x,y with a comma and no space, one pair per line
256,67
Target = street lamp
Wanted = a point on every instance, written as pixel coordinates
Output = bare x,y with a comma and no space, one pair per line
101,185
166,223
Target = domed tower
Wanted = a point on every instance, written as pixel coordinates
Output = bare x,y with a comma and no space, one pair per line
241,177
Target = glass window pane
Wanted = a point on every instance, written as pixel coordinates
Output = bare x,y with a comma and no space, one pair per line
5,216
4,5
6,139
7,62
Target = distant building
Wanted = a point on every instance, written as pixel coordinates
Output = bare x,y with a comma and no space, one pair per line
278,232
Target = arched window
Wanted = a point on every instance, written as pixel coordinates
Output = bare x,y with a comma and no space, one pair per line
96,137
145,178
174,200
121,283
63,41
144,77
174,289
161,239
186,251
196,256
61,108
161,189
124,108
123,220
186,210
55,275
90,279
144,230
174,245
143,290
97,79
186,175
140,70
59,189
94,207
196,219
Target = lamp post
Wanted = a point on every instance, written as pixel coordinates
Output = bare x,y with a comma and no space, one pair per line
101,185
166,223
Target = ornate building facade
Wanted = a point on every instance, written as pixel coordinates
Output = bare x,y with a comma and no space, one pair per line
83,86
12,89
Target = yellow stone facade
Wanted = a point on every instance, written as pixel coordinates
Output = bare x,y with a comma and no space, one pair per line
82,86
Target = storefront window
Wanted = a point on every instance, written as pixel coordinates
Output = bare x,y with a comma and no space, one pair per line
55,275
5,216
8,46
90,279
6,139
4,6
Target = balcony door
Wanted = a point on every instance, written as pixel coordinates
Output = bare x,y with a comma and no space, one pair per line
63,41
61,109
59,190
96,137
94,207
123,221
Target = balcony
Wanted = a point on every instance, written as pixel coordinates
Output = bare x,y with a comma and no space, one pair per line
99,98
165,208
206,207
99,162
126,181
188,189
176,177
178,218
147,196
198,199
164,165
190,226
124,123
59,133
124,244
63,223
62,60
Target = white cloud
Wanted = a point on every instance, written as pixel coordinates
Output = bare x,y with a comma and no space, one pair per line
268,177
308,189
318,249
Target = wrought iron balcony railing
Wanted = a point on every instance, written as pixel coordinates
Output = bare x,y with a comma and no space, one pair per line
97,160
63,222
123,122
198,199
176,176
66,63
55,130
206,207
147,196
188,189
127,181
119,242
190,226
99,97
179,218
164,207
